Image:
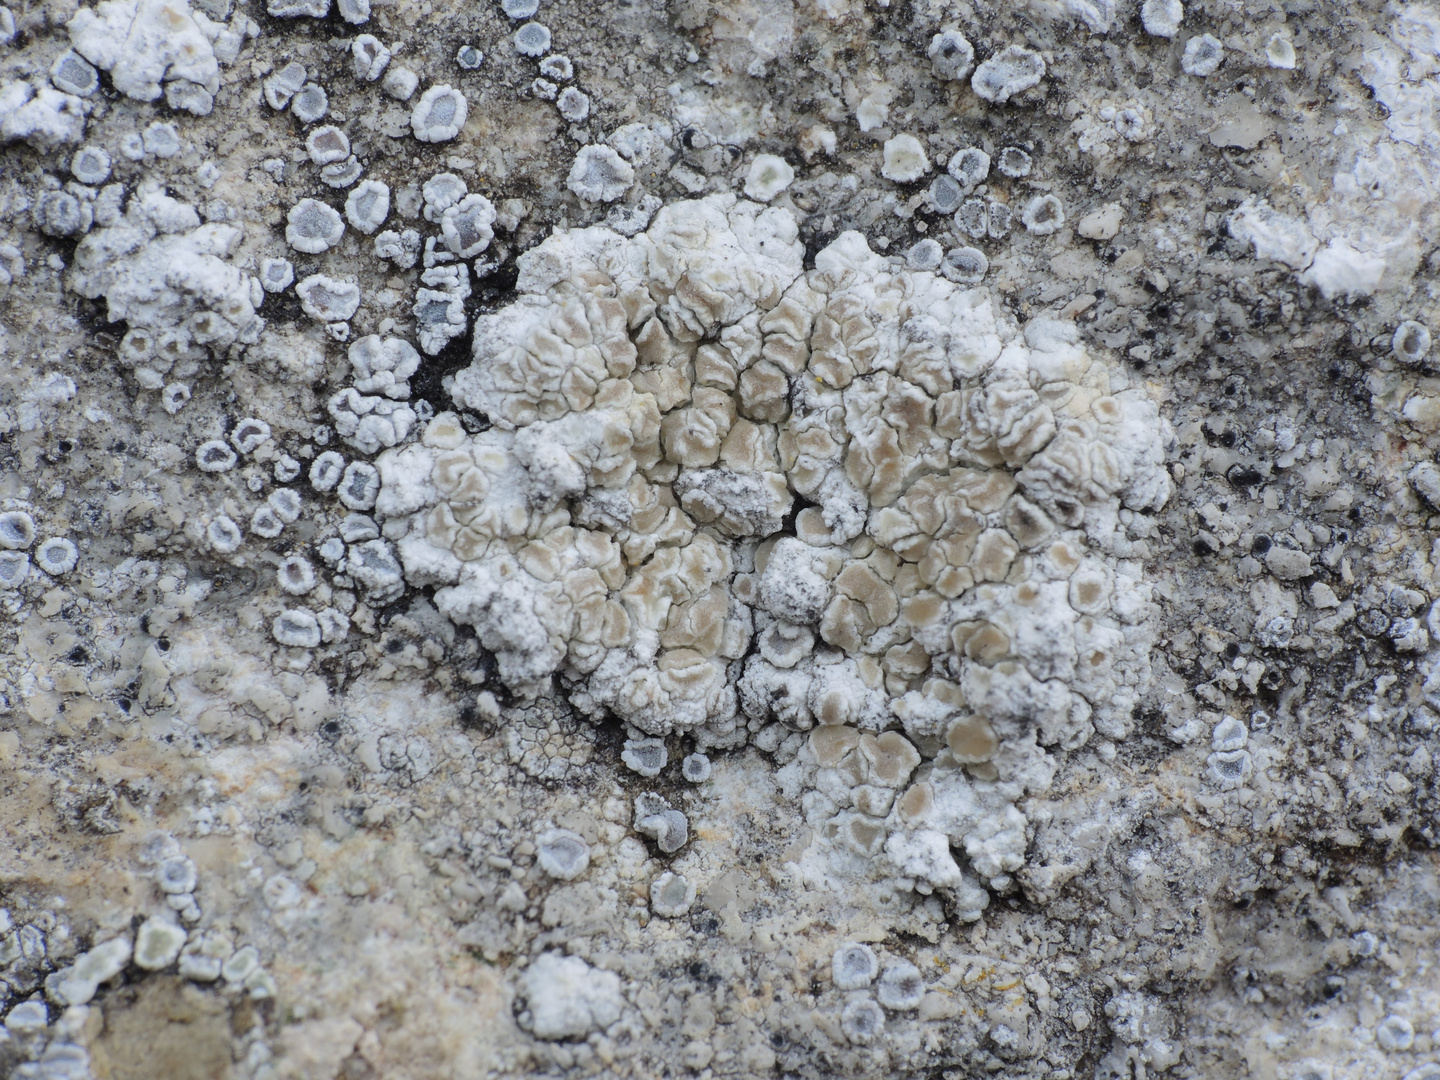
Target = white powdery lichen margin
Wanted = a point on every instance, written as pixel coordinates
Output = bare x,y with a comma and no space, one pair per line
964,568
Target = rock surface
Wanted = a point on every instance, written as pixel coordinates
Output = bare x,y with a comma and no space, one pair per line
736,540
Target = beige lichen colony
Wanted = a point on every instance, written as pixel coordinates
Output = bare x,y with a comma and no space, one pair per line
957,591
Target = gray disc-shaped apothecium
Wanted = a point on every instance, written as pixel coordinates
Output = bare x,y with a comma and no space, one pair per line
439,114
1014,162
1411,342
863,1021
90,165
695,768
1203,56
1009,72
286,502
249,435
296,575
326,471
327,144
313,227
951,55
645,756
215,456
562,854
17,530
360,485
671,895
925,254
296,628
599,174
368,206
56,555
532,39
854,966
945,194
901,986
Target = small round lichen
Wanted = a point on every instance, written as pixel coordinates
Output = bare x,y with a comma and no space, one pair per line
266,523
645,756
1394,1034
90,165
969,167
224,535
313,227
901,986
1014,162
17,530
904,159
1043,215
532,39
695,768
574,105
1410,343
296,628
326,470
925,255
215,456
1203,55
966,265
671,895
360,485
1229,734
439,114
176,875
1162,18
56,556
368,205
562,854
558,67
945,194
295,575
863,1021
1007,73
951,55
327,144
768,176
310,104
174,397
854,966
14,569
599,174
249,435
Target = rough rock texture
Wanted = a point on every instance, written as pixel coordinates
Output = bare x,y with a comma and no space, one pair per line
806,539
